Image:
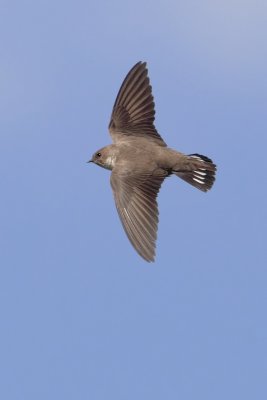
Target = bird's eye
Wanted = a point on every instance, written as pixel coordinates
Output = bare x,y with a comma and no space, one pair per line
98,154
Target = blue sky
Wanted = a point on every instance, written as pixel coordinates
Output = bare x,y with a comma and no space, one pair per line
82,315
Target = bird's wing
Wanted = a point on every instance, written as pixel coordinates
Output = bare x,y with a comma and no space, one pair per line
135,198
133,113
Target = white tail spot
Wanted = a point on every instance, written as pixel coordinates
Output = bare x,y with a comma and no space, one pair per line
200,173
199,181
197,158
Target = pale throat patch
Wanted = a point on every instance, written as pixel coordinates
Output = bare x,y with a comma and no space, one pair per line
111,161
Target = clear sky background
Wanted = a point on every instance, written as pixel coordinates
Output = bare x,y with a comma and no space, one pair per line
82,315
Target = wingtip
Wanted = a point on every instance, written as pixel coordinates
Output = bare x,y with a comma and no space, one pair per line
148,258
140,64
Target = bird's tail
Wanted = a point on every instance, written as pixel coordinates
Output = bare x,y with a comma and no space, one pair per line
199,172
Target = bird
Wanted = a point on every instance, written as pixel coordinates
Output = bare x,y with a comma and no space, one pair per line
140,160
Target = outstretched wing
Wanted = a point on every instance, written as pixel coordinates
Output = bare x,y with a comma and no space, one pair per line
135,198
133,113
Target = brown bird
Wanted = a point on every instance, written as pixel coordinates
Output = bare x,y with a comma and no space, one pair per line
140,161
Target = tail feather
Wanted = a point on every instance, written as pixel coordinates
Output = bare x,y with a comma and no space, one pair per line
201,174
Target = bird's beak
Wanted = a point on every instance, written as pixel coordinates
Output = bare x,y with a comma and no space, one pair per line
89,161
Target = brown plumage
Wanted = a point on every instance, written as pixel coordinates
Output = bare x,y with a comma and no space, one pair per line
140,160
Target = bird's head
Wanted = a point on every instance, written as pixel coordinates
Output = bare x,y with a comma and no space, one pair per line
104,157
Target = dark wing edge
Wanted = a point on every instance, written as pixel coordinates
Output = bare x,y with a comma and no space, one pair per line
135,199
133,112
